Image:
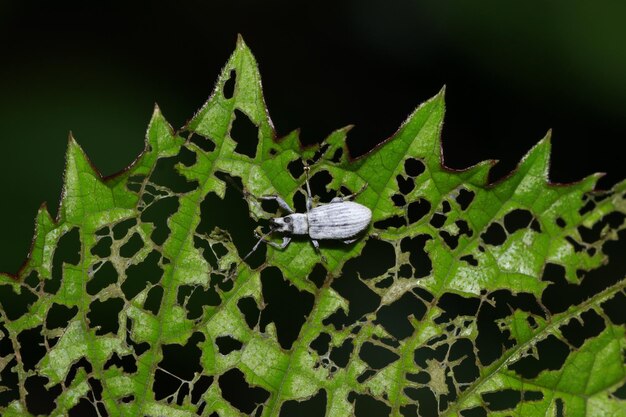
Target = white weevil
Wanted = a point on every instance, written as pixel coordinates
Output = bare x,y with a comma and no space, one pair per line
338,220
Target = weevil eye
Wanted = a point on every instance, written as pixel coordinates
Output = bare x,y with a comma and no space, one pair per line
287,220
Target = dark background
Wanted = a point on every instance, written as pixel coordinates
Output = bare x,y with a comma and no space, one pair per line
513,70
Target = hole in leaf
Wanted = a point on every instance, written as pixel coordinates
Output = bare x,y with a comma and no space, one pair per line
576,332
340,355
398,200
321,343
32,280
121,229
614,308
533,396
394,317
376,356
15,305
139,348
158,213
102,278
417,210
227,344
426,400
134,185
299,201
84,408
204,143
193,298
405,271
102,249
418,257
103,315
237,391
285,305
451,240
66,251
494,235
620,392
590,205
318,275
552,355
127,363
377,257
319,186
337,156
474,412
414,167
438,220
245,133
32,348
165,385
153,300
71,374
39,399
250,310
393,221
182,361
385,283
138,276
10,384
187,157
200,387
613,220
296,168
454,305
166,175
233,215
517,219
560,295
313,407
229,85
464,198
466,371
470,260
132,246
59,316
366,406
367,374
421,378
405,185
505,399
362,300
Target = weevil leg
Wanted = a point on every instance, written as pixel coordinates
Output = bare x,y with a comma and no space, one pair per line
282,245
281,203
348,241
316,244
349,197
309,198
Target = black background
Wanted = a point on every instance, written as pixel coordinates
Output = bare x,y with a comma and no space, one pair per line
513,70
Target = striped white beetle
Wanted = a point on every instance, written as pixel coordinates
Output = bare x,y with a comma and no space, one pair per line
338,220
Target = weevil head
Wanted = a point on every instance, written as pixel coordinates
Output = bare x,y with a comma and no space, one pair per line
294,224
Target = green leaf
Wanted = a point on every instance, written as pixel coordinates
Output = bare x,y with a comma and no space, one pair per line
462,297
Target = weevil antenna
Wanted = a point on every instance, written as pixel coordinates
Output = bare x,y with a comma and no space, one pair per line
261,239
250,253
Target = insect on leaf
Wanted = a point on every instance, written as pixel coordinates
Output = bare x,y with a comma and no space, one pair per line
462,298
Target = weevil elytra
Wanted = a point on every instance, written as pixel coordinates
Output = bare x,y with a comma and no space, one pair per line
340,219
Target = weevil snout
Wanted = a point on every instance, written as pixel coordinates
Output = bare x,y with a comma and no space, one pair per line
280,224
